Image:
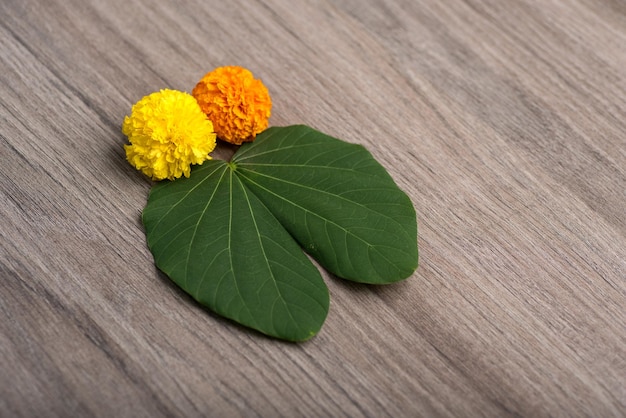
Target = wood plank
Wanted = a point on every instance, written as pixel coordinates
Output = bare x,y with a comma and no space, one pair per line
504,122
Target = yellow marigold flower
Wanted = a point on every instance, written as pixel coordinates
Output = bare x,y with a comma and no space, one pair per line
168,132
238,104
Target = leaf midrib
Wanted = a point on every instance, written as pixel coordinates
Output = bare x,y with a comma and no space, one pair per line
324,192
266,260
199,221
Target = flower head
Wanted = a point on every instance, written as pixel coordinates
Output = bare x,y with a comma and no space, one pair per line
238,104
168,132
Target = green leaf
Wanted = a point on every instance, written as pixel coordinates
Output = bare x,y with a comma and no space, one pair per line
336,200
219,243
232,234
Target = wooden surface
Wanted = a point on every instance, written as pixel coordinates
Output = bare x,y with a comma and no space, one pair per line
504,121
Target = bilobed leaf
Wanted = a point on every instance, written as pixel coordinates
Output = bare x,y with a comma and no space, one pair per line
336,200
218,242
232,234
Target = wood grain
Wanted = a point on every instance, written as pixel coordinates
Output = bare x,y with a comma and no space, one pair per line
504,121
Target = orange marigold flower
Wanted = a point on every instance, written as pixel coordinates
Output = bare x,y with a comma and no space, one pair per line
238,104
